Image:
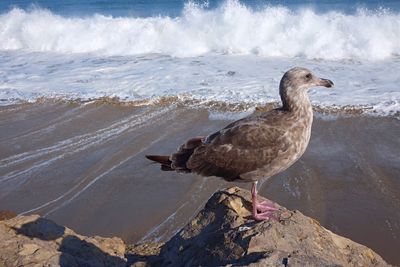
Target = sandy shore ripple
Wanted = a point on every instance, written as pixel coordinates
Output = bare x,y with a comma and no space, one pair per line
83,166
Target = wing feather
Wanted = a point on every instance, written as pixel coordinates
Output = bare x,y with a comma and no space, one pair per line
242,146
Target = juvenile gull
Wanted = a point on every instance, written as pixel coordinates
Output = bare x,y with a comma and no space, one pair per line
257,146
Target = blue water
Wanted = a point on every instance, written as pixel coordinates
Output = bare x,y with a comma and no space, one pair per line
173,8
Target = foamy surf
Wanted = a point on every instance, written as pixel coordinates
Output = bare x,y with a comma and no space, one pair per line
236,82
233,54
231,28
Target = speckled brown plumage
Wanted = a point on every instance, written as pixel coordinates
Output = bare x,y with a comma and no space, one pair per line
258,146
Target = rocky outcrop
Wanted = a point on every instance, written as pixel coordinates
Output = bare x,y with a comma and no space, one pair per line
222,234
35,241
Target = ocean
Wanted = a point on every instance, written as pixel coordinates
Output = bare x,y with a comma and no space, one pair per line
226,51
88,88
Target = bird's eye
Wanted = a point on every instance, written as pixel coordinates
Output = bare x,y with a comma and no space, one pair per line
308,76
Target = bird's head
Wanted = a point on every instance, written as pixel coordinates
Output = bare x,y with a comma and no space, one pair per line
302,79
295,83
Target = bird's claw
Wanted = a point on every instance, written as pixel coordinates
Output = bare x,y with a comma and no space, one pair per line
265,211
266,206
264,216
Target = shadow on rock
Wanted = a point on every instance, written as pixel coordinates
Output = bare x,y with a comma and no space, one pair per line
42,229
137,259
74,251
213,238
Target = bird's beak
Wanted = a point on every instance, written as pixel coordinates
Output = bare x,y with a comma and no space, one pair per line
324,82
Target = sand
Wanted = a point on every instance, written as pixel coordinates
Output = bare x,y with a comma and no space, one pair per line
83,166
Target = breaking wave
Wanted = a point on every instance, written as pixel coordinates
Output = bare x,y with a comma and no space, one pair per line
232,28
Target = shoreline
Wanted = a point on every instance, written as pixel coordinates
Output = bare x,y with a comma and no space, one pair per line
84,165
186,101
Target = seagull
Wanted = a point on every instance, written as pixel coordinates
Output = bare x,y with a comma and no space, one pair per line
256,147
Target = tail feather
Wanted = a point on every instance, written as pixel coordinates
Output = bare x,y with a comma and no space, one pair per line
177,161
185,151
163,160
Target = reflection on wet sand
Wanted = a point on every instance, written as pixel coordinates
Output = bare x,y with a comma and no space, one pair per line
83,166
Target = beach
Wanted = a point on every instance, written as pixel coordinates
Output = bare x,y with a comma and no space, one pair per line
88,88
82,165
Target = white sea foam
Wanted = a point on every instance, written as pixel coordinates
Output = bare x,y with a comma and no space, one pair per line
231,54
248,79
231,28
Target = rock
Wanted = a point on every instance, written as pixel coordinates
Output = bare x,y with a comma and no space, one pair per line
35,241
222,234
142,255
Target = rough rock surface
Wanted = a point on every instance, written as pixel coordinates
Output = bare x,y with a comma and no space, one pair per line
222,234
35,241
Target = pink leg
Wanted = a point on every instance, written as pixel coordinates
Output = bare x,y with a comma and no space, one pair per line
266,207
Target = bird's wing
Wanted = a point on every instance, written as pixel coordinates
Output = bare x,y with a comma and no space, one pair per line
242,146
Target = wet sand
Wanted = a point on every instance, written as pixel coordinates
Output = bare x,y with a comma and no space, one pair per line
83,166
